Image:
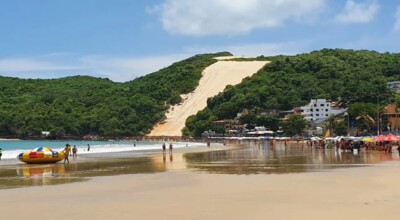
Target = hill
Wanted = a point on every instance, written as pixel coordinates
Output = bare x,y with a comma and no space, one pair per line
289,81
82,105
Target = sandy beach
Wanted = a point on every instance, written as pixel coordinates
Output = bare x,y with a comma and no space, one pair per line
366,192
214,80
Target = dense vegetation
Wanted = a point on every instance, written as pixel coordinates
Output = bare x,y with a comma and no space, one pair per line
289,81
82,105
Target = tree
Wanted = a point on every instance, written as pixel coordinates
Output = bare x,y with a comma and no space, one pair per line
294,125
364,114
270,122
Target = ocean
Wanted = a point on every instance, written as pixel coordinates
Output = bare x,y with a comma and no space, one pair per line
11,148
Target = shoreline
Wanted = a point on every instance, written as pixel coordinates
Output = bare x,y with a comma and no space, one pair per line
87,166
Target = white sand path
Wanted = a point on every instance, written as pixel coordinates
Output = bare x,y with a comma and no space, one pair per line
214,80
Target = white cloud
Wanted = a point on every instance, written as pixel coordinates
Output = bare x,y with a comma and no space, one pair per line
232,17
358,12
397,22
118,69
254,50
28,65
122,69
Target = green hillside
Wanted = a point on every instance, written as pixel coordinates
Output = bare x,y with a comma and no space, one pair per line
82,105
289,81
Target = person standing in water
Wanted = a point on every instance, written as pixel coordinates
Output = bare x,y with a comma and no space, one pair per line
88,147
74,152
163,148
170,148
66,151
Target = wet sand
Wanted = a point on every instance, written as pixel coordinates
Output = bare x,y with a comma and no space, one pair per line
189,189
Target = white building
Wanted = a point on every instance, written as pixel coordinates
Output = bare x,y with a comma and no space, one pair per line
395,86
318,110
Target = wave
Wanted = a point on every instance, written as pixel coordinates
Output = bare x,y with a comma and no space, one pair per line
108,148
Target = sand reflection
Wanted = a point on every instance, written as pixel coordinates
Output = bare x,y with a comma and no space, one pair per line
257,158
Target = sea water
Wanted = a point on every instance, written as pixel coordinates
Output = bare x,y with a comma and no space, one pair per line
11,148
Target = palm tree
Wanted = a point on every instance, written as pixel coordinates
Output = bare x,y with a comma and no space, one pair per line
366,120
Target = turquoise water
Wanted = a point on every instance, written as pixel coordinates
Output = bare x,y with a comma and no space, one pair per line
11,148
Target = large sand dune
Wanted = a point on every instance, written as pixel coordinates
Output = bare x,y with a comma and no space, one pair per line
214,80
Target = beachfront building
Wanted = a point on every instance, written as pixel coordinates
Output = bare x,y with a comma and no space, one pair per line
231,126
391,118
318,110
394,85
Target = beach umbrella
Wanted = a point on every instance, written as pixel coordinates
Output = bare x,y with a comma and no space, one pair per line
391,137
368,139
380,138
328,133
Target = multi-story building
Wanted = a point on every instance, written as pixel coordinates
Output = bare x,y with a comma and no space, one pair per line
395,86
391,118
318,110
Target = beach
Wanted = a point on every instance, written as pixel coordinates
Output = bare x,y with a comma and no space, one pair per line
176,191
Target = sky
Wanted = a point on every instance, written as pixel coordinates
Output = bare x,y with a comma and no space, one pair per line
124,39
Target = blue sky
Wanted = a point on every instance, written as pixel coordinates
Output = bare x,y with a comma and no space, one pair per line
124,39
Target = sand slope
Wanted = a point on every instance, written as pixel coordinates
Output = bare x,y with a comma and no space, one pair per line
214,80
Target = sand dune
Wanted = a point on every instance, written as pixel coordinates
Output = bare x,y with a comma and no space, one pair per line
214,80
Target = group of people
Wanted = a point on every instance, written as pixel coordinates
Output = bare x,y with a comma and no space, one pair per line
71,152
164,147
67,152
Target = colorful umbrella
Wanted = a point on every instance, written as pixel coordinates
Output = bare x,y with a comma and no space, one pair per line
368,139
380,138
389,137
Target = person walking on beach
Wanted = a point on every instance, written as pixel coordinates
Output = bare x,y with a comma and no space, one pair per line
1,153
88,147
398,150
66,151
74,151
170,148
164,148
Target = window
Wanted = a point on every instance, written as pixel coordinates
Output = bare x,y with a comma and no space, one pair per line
317,115
326,115
326,110
322,104
315,105
317,110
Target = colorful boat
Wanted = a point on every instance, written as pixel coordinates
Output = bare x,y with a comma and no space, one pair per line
41,155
